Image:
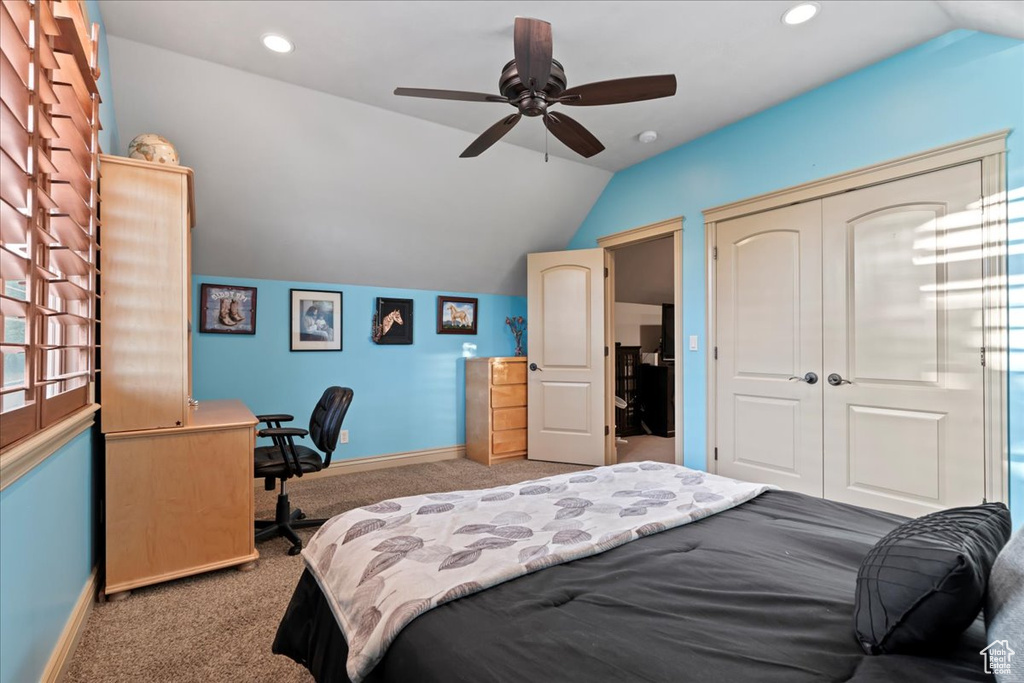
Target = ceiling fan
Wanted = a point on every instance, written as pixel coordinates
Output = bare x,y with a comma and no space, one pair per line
533,82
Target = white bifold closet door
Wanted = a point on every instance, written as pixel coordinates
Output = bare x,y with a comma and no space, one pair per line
769,331
878,293
902,321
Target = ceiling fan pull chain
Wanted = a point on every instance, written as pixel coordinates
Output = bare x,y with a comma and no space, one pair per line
545,145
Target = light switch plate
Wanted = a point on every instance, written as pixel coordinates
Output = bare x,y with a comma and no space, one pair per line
693,342
344,436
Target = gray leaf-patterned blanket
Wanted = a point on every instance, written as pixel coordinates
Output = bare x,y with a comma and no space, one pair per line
381,566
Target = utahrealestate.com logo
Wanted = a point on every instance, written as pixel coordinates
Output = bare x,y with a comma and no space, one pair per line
997,657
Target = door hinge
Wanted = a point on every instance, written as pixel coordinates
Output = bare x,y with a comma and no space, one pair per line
714,253
606,352
606,430
606,271
716,353
982,356
716,453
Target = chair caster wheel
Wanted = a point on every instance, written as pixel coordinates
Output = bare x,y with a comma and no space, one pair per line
295,550
301,515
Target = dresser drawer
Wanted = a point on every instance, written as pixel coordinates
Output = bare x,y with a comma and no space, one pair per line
508,418
508,396
509,441
508,373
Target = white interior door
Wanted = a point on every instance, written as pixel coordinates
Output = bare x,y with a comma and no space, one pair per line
768,315
902,301
565,340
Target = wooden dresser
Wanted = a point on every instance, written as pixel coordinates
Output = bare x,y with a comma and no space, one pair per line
178,496
495,409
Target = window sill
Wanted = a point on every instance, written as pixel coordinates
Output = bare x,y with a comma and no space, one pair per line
20,458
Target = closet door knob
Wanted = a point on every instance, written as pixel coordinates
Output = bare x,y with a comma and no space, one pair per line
835,379
534,368
810,378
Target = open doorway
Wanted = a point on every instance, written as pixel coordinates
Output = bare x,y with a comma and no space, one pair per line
644,352
643,324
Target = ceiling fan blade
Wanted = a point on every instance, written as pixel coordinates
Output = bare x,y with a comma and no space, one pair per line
572,134
491,135
619,91
533,52
449,95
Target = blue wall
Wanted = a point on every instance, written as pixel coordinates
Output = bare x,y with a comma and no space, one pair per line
46,554
407,398
957,86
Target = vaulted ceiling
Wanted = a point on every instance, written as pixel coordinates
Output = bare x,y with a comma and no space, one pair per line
308,168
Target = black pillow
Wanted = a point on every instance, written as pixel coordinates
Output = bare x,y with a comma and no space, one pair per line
924,583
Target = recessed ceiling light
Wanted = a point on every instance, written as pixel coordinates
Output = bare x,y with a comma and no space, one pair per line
276,43
798,14
647,136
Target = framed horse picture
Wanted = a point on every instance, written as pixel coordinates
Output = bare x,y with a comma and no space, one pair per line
456,315
392,321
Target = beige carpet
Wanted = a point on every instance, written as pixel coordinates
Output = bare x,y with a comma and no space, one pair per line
646,447
218,627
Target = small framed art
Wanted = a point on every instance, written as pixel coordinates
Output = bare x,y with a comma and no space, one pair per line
456,315
227,309
315,320
392,322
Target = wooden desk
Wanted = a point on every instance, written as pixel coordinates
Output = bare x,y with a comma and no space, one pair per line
179,501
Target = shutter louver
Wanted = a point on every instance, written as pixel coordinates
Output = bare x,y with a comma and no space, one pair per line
49,105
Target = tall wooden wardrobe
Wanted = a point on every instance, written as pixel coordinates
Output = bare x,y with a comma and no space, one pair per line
179,477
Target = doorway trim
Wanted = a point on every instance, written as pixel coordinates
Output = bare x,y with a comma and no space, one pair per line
670,227
990,150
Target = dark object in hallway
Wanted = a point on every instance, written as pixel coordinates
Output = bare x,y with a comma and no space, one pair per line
657,399
668,333
627,387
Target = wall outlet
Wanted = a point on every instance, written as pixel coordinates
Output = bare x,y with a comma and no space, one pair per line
693,342
344,436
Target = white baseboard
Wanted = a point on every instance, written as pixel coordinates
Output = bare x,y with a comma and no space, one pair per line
64,650
379,462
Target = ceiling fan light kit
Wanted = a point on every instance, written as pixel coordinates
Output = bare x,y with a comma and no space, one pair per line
534,81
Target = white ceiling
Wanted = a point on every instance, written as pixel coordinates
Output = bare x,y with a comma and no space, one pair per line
732,59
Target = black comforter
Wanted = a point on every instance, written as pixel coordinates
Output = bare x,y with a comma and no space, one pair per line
762,592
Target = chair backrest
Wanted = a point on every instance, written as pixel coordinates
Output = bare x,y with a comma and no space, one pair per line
325,422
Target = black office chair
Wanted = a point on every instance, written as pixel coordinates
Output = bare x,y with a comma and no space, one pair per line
285,460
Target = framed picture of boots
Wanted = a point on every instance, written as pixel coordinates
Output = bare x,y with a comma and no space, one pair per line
226,309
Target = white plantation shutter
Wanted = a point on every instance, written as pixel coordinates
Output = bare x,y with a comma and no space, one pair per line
48,198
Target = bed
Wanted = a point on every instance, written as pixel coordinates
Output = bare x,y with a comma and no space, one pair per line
763,592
